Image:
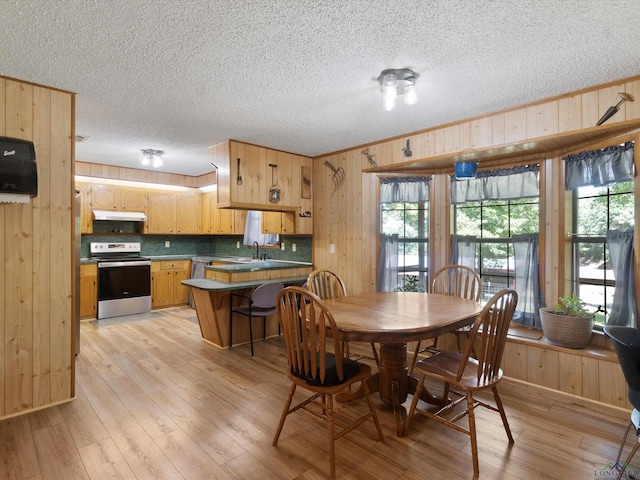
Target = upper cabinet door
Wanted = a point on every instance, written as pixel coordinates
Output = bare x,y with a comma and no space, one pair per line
161,213
133,200
188,213
86,217
112,197
105,197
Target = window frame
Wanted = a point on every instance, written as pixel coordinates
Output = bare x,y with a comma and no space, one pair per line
576,281
508,274
422,241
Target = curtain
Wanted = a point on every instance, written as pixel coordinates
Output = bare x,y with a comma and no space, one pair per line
500,184
392,190
388,264
463,251
623,309
525,253
406,189
253,231
600,167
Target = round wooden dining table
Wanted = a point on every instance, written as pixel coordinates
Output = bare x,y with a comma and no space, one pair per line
392,319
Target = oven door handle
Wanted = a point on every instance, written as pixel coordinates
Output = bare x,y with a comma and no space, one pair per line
140,263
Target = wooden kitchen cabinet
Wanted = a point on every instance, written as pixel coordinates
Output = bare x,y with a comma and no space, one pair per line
245,177
88,290
166,283
278,223
86,216
214,220
239,221
133,200
221,221
113,197
188,212
161,212
174,212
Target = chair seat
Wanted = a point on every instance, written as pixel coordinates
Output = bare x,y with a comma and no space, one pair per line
445,365
362,375
350,369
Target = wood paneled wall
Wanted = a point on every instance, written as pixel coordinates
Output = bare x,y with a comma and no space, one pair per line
346,216
36,250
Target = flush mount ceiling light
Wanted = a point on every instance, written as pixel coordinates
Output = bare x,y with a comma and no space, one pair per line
152,157
395,82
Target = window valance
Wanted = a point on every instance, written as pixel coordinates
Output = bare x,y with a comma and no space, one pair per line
404,189
599,167
500,184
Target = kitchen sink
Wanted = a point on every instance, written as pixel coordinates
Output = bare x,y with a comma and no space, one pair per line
243,260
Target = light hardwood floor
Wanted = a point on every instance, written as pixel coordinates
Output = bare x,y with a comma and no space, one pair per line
156,402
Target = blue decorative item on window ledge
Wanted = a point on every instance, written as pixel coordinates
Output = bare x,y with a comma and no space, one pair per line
465,170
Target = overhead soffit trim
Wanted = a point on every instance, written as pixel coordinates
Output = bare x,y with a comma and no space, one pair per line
119,216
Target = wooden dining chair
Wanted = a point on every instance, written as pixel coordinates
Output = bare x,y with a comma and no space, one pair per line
261,303
327,284
455,280
309,329
464,375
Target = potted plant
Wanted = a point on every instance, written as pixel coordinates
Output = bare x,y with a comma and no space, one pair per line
411,283
568,324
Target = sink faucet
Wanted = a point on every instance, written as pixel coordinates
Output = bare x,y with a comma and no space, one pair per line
257,254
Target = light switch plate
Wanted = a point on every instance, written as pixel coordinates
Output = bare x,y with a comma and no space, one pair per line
167,244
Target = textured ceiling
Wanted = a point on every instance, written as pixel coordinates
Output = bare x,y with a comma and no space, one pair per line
300,75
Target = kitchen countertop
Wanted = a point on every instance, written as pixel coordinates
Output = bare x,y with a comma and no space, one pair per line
248,265
214,285
238,264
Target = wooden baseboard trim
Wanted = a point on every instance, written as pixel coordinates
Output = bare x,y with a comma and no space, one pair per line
564,397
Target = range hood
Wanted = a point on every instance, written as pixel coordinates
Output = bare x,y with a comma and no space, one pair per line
119,216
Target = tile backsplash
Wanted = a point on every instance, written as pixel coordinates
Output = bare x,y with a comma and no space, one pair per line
154,245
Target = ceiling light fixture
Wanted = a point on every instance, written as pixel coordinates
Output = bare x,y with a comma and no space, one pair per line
398,81
152,157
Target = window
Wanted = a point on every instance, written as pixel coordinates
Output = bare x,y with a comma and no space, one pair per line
404,233
495,230
602,222
595,211
493,222
410,221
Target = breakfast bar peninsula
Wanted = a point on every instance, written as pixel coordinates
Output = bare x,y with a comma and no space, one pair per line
237,275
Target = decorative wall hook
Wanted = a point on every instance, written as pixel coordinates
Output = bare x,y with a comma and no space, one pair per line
338,175
407,149
611,111
370,159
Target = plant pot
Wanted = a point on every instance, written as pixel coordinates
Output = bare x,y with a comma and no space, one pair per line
565,330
